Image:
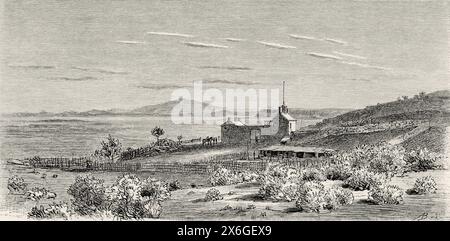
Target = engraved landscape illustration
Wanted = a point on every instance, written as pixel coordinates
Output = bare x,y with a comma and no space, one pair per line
224,110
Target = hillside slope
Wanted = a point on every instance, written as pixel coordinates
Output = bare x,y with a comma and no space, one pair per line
416,122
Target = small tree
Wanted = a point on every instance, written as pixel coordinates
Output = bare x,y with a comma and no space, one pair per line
110,148
157,132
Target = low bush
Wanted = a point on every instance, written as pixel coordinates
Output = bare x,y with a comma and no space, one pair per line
174,185
337,171
38,193
380,158
386,194
337,196
89,195
17,185
311,197
362,179
312,174
423,160
53,211
223,176
280,183
423,185
213,194
131,198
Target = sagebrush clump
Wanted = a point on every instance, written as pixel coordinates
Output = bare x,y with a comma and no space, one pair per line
362,179
52,211
424,185
17,185
89,195
312,174
423,160
280,183
386,194
213,194
314,197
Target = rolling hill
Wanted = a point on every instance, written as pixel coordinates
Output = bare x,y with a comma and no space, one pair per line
417,122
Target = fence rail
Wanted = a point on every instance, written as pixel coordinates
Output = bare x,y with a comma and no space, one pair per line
82,164
206,167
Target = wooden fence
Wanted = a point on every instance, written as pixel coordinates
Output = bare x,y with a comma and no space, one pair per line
82,164
206,167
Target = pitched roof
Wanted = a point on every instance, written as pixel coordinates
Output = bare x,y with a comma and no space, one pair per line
295,149
288,117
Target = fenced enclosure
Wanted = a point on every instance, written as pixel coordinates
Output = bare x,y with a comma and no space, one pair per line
237,164
82,164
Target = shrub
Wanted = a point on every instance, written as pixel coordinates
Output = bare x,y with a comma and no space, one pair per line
88,195
280,182
362,179
38,193
213,194
53,211
423,185
223,176
311,197
17,185
337,171
379,158
387,159
386,194
174,185
423,160
312,174
337,196
248,176
130,198
314,197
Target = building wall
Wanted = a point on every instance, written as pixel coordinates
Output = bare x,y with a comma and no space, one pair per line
232,134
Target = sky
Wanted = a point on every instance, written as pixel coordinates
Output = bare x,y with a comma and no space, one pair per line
105,54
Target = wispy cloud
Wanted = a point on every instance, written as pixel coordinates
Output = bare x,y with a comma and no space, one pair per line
204,45
349,55
130,42
224,67
235,39
102,71
162,86
365,65
295,36
276,45
84,78
32,66
171,34
335,41
324,56
224,81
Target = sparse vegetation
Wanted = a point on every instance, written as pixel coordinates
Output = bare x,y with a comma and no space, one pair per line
280,183
386,194
363,179
53,211
423,160
312,174
17,185
89,195
213,194
424,185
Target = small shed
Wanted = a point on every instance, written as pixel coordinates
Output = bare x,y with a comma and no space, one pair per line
293,151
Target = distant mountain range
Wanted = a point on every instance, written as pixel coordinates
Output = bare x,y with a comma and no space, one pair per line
165,110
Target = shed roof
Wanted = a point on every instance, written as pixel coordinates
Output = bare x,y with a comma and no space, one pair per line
295,149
